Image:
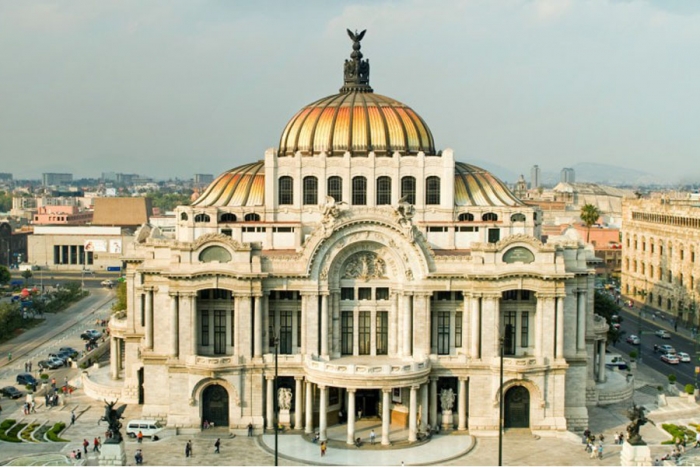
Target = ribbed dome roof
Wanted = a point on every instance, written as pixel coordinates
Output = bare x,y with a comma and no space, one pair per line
475,186
242,186
356,120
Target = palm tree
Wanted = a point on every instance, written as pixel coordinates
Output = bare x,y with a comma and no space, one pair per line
589,215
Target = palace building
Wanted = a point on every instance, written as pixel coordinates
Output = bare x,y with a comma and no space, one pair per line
383,273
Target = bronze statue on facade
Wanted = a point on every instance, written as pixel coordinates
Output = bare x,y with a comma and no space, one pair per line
636,415
112,417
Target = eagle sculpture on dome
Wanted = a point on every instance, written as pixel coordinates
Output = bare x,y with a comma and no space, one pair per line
355,36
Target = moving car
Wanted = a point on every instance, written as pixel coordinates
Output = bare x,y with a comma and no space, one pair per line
662,333
684,357
11,392
670,358
107,283
148,428
90,334
666,349
26,378
632,339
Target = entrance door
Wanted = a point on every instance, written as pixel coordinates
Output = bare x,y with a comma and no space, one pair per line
215,405
366,400
517,408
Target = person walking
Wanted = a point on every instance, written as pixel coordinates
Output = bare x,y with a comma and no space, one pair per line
72,417
86,443
600,451
188,449
217,446
372,437
250,429
96,445
138,457
139,437
323,448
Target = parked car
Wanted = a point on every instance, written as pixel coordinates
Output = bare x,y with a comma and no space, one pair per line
70,351
50,364
60,356
670,358
90,334
662,333
26,378
148,428
615,360
684,357
632,339
11,392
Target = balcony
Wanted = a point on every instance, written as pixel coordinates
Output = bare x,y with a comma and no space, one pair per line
367,371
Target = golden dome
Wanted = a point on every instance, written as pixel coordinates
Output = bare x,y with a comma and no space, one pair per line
475,186
356,120
242,186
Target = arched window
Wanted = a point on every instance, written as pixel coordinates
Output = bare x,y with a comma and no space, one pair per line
466,217
252,217
183,216
489,217
517,217
408,189
228,217
383,190
202,218
359,191
310,190
335,188
285,190
432,190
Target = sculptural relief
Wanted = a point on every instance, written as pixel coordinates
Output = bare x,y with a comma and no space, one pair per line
365,266
284,398
447,399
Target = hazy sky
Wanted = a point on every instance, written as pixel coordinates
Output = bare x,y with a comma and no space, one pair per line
172,88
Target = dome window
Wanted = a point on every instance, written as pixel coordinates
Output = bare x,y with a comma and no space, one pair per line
466,217
408,189
183,216
489,217
228,217
215,253
285,191
252,217
202,218
383,190
335,188
518,217
310,190
359,191
432,190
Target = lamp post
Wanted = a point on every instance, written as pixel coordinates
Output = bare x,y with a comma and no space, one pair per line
500,409
642,293
275,408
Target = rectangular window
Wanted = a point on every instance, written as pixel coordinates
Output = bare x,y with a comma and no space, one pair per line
335,188
143,310
220,332
283,229
468,229
298,328
524,329
458,329
285,334
56,254
383,191
509,335
443,334
310,190
204,326
408,189
365,333
443,296
286,190
437,229
227,232
364,293
382,333
359,191
347,293
382,293
346,333
254,229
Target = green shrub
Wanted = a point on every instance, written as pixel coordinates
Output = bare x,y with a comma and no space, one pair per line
660,388
633,355
672,379
12,433
4,426
44,376
27,433
677,431
52,434
689,389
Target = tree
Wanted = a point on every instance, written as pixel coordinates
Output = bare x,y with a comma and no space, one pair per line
605,306
26,274
589,215
5,275
120,303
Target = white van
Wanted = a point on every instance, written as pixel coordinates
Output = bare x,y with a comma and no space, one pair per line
147,427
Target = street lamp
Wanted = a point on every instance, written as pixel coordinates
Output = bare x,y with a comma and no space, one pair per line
500,408
275,409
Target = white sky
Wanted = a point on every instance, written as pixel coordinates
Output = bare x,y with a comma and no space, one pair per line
172,88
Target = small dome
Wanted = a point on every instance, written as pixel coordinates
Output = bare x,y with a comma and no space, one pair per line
475,186
242,186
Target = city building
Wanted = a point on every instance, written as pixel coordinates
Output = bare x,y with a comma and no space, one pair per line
660,266
202,180
374,273
568,175
56,179
535,177
13,245
61,215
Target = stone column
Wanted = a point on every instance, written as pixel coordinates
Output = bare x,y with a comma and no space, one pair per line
265,322
433,402
192,307
114,357
324,325
421,331
323,412
298,403
335,312
413,415
581,324
423,407
475,328
560,327
270,402
539,312
257,327
309,408
466,319
386,415
407,325
394,325
601,361
462,405
351,416
310,324
149,319
492,307
174,326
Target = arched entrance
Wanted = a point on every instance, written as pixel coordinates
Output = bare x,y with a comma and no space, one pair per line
517,407
215,405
